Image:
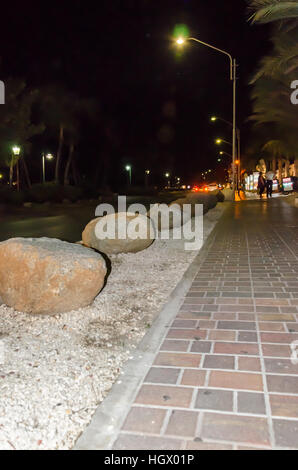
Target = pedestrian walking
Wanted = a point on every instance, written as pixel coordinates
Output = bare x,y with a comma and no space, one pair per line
269,182
261,184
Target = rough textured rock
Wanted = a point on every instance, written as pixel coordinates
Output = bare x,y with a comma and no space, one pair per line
49,276
117,245
173,213
228,193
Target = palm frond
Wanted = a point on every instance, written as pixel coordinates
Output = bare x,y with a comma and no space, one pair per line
266,11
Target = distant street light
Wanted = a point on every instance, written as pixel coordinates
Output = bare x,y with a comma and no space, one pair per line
233,77
217,118
128,168
15,153
49,156
147,173
16,150
220,141
225,153
167,175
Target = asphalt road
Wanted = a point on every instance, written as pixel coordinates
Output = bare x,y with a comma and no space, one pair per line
63,221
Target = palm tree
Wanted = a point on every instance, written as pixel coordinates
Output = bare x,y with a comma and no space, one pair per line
63,112
57,106
272,107
16,125
267,11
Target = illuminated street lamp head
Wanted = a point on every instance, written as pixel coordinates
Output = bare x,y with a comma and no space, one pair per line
16,150
180,41
221,153
49,156
237,162
147,172
214,118
128,167
167,175
218,141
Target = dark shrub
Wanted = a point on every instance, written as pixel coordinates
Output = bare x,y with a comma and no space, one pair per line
48,192
72,193
137,191
11,196
51,192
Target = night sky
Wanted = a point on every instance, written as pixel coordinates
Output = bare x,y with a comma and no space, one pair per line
156,101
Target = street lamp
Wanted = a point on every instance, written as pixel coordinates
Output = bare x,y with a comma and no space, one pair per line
216,118
128,168
49,156
225,153
147,173
167,175
220,141
15,153
16,150
233,78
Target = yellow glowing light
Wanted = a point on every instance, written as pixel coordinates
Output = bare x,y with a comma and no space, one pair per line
1,176
180,41
214,118
49,156
237,162
16,150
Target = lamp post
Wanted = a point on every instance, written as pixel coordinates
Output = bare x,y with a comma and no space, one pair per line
225,153
216,118
147,173
220,141
15,153
49,156
167,175
233,78
128,168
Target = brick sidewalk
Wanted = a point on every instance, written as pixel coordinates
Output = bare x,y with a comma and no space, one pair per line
223,377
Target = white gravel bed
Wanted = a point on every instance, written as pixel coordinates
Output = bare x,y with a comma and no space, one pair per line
55,370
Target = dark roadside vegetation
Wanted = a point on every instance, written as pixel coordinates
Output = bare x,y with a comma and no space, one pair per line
63,212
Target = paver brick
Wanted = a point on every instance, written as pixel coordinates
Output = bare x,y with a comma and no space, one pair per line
177,359
244,429
141,419
284,406
219,400
182,423
158,395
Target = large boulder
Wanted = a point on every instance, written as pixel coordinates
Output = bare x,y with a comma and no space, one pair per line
132,233
49,276
169,216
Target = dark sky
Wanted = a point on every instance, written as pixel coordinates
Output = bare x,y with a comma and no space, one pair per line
120,52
